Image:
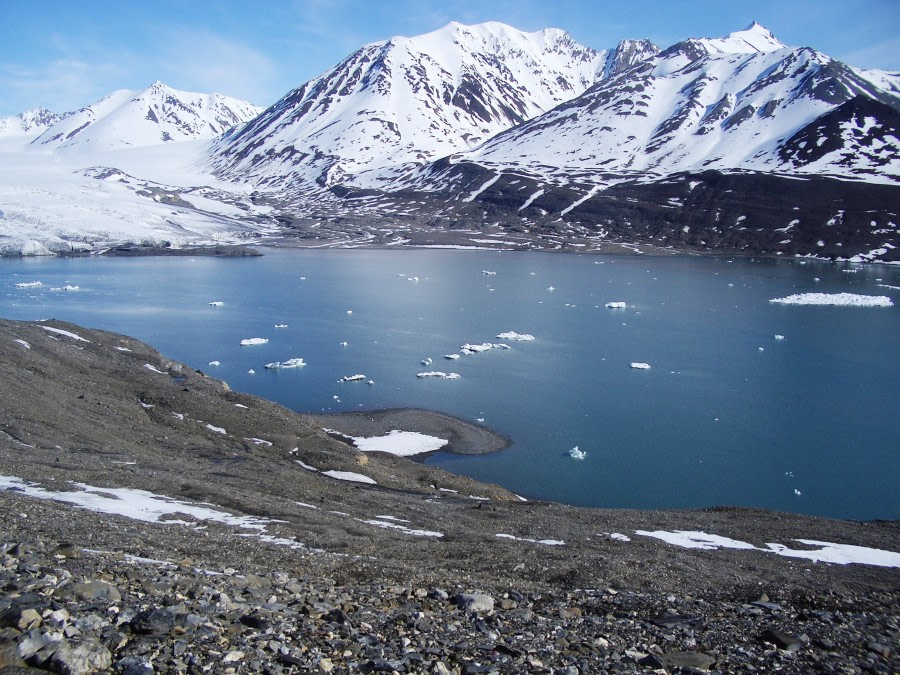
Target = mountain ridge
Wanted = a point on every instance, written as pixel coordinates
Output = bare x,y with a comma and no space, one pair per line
486,127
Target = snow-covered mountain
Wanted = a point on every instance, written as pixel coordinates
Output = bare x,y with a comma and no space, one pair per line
413,100
732,144
157,114
28,123
741,102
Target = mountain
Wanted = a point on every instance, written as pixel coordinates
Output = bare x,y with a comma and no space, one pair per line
157,114
29,123
737,144
700,145
732,103
412,100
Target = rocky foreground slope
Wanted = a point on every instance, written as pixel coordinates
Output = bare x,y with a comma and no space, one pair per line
154,520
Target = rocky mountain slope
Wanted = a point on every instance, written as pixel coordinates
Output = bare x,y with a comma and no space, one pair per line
152,518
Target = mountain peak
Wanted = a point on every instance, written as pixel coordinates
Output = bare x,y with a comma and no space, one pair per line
757,37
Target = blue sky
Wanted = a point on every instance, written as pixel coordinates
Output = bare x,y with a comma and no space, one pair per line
64,54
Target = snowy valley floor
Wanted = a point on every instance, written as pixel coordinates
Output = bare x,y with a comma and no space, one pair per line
152,517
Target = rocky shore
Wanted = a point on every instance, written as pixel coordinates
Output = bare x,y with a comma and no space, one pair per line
152,520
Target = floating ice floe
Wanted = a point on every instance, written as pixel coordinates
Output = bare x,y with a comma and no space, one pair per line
290,363
216,303
353,378
281,325
214,363
518,337
616,305
60,331
247,342
640,365
349,476
488,273
575,453
841,299
426,362
251,372
67,287
483,347
779,337
439,375
838,554
29,284
452,357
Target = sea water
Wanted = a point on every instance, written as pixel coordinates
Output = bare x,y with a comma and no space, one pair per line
727,413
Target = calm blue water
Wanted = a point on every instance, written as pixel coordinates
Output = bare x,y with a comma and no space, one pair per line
716,420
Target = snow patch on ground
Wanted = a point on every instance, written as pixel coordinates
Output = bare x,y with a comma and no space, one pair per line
400,443
349,476
141,505
838,554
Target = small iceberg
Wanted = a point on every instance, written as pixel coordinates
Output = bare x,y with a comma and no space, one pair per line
280,325
290,363
253,341
575,453
488,273
839,299
439,375
518,337
214,363
640,365
353,378
216,303
616,305
452,357
67,287
779,337
29,284
425,362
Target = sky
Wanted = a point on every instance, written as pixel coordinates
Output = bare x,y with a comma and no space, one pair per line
64,55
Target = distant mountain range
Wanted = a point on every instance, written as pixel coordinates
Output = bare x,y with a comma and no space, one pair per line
737,144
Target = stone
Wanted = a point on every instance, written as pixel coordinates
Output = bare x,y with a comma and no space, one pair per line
475,602
780,639
695,660
153,621
87,656
94,590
